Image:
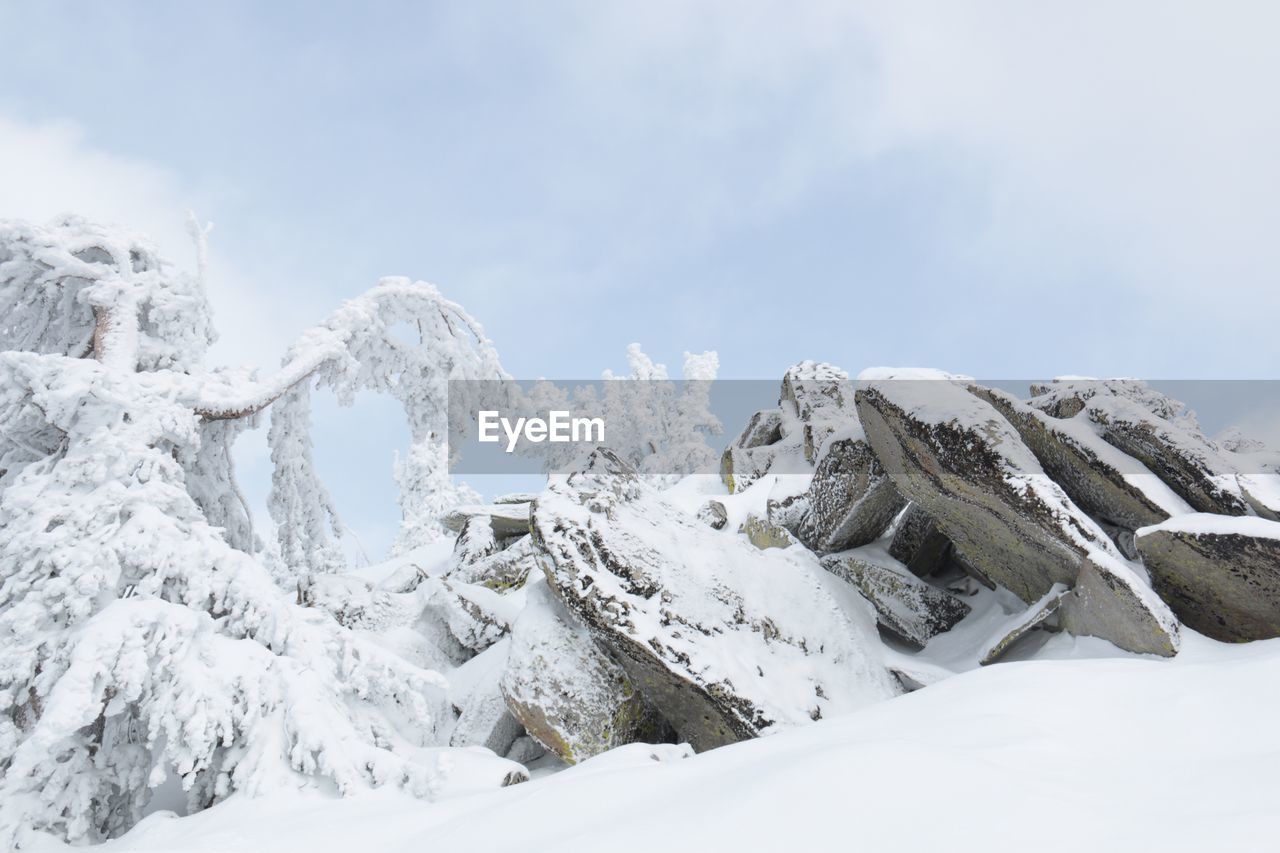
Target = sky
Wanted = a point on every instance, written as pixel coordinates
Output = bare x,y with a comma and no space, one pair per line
995,189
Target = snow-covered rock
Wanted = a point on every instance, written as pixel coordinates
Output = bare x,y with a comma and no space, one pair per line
567,693
1111,602
1023,623
714,515
1102,480
725,641
763,533
1156,431
484,719
851,500
508,519
817,394
906,606
500,571
966,466
1219,574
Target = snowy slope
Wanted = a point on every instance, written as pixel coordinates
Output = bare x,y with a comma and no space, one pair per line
1053,754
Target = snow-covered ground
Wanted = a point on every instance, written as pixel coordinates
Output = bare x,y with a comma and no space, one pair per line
1066,752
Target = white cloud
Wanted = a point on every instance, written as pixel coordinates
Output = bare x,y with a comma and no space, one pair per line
1139,137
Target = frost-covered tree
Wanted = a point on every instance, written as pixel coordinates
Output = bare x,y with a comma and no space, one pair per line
659,429
360,347
655,424
140,636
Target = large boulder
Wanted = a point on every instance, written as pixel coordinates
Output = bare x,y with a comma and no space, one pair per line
1110,601
906,607
1155,430
763,533
957,457
815,401
851,500
1104,482
750,455
570,697
818,395
1220,575
725,641
510,519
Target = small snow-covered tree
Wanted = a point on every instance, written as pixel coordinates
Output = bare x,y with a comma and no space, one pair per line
139,634
659,430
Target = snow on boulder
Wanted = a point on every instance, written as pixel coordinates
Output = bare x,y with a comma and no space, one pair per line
966,466
814,402
906,607
1038,615
483,716
1155,430
714,515
749,456
819,395
477,617
726,641
851,500
1102,480
506,519
1219,574
501,571
1111,602
570,697
763,533
475,541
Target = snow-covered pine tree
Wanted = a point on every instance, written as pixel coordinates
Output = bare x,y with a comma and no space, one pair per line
139,637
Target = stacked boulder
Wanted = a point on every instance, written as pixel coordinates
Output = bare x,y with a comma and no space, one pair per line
597,613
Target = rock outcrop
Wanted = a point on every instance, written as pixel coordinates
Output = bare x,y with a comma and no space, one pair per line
956,456
1220,575
1154,430
570,697
483,716
1100,479
725,641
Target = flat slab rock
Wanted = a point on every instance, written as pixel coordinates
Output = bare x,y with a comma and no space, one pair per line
570,697
959,459
505,519
906,606
1101,479
1219,574
1155,430
725,641
1022,624
1108,601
